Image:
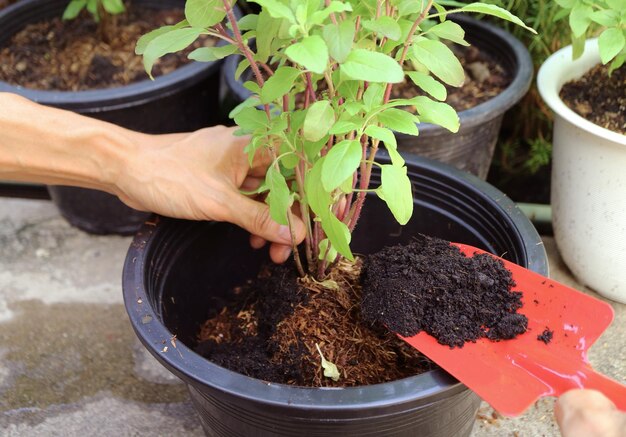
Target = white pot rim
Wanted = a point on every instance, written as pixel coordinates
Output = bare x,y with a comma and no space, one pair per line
558,69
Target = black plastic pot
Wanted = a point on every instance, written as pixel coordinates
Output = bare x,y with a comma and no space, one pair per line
471,148
184,100
177,272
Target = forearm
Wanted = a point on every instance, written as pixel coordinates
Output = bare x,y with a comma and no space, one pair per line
52,146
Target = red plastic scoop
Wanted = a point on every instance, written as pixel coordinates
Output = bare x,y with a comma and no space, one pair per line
512,374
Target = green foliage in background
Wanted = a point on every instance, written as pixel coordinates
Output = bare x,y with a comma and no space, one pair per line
607,17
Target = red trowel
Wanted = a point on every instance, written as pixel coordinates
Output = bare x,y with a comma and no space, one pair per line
512,374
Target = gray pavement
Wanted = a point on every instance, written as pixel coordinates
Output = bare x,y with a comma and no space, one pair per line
70,364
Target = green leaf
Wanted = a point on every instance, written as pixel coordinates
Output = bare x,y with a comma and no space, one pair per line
341,162
169,42
495,11
279,84
580,19
243,66
439,60
142,43
269,29
73,8
373,96
208,54
251,119
617,5
349,89
611,43
113,6
319,119
313,148
318,199
617,62
384,26
92,7
318,17
396,191
204,13
248,103
311,53
325,246
438,113
428,84
372,67
279,198
451,31
343,127
339,39
277,9
330,369
578,46
399,120
248,22
605,18
389,139
338,234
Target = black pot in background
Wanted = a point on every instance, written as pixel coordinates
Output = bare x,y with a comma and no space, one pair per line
471,148
184,100
177,272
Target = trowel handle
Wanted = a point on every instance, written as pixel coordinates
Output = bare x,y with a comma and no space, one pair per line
612,389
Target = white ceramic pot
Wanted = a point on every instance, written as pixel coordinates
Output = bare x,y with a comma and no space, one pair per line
588,183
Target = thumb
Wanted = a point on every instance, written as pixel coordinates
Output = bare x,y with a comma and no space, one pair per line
255,217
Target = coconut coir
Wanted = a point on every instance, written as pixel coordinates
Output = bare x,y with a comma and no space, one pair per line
271,328
429,285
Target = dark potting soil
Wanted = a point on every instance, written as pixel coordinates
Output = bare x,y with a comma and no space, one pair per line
599,98
546,336
429,285
271,329
78,55
485,78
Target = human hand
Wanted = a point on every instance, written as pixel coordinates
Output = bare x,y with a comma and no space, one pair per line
198,176
588,413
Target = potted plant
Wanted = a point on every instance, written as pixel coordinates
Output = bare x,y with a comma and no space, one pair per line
498,73
588,205
183,100
321,107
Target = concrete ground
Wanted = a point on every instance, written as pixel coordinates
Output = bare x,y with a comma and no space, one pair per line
70,364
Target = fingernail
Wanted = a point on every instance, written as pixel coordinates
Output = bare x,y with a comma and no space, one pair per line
286,254
284,233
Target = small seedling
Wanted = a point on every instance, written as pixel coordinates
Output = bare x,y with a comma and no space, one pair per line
97,8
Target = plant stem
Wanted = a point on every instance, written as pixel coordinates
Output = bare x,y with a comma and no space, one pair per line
407,44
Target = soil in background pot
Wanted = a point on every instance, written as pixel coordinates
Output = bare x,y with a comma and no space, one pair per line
272,327
485,78
599,98
78,55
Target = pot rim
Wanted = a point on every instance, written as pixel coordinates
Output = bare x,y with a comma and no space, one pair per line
136,93
558,69
496,106
192,368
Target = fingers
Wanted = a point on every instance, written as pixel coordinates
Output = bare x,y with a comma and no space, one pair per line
255,218
588,413
279,253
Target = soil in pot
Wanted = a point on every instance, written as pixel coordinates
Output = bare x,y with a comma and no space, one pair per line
485,78
272,327
599,98
80,54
